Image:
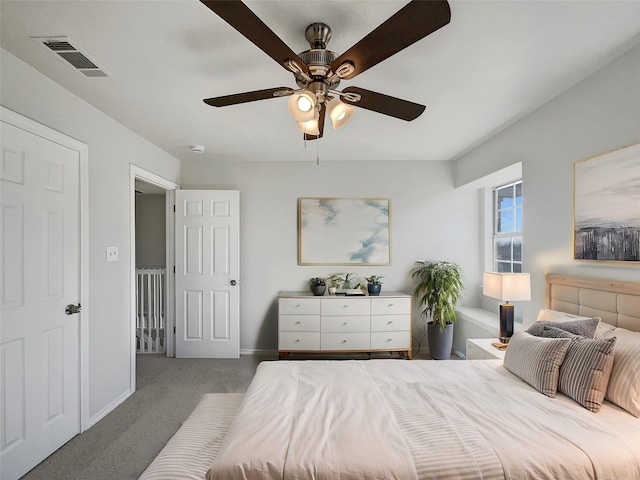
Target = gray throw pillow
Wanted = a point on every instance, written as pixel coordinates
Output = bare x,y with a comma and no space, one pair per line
536,360
585,372
586,328
551,331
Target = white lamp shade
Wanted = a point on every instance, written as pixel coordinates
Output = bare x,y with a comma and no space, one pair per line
339,112
302,106
508,287
311,127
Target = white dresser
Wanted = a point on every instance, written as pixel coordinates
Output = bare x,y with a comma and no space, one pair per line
336,323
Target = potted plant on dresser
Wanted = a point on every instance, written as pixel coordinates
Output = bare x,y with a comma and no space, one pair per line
318,285
438,289
374,285
335,281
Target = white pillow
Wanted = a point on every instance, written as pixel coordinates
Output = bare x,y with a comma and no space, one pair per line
624,383
602,330
548,315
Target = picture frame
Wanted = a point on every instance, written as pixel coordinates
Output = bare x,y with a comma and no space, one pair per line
606,207
344,231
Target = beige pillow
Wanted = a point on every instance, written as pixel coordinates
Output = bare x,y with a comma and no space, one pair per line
536,360
585,372
624,384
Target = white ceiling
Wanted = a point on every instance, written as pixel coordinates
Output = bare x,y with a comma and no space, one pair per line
494,63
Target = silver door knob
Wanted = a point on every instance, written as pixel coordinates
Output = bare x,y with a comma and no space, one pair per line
233,283
71,309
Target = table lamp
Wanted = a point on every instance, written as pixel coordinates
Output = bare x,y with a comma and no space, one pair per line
506,287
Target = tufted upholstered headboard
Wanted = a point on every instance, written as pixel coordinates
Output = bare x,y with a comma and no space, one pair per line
615,302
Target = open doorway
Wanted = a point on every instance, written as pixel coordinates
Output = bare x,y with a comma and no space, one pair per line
152,260
151,268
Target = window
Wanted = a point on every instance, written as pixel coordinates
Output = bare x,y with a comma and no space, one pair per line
507,228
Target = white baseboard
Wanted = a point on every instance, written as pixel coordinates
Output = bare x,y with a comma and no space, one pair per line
108,409
253,351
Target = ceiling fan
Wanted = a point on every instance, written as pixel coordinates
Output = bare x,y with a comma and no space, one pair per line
318,71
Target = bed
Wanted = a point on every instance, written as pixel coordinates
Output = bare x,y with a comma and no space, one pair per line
397,419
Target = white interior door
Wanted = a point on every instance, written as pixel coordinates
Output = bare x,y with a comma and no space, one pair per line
207,273
40,255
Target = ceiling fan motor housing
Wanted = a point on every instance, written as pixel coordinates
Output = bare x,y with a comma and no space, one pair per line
318,58
319,62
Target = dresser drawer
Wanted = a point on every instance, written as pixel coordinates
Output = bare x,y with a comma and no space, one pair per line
345,341
299,306
352,323
289,341
347,306
390,340
299,323
390,323
390,306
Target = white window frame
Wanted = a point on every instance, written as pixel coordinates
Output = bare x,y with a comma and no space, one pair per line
513,235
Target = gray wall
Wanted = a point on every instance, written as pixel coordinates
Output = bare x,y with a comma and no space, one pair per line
596,115
430,220
150,230
112,148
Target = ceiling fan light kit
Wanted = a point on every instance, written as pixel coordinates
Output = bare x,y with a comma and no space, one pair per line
310,128
302,106
318,72
339,112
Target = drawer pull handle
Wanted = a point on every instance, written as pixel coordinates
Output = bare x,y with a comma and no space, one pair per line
344,341
391,304
388,323
388,340
345,323
297,340
345,306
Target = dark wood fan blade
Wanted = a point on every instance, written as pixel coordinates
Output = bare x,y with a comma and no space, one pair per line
323,110
413,22
378,102
240,17
248,97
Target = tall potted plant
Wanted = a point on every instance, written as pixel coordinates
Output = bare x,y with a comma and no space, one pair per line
438,289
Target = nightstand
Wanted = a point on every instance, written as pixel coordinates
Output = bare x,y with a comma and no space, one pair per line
481,349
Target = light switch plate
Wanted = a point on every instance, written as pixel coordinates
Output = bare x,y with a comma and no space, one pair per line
112,254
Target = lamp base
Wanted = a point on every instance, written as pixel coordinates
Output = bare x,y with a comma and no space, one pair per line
506,322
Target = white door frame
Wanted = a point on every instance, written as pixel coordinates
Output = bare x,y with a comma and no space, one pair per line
50,134
137,173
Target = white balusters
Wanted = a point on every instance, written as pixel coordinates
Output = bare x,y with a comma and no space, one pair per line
150,301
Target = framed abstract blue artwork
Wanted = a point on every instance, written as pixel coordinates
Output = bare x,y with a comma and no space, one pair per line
344,231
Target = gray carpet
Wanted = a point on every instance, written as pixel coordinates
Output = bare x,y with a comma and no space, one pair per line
127,440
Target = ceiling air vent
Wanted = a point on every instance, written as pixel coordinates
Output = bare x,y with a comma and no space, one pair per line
64,48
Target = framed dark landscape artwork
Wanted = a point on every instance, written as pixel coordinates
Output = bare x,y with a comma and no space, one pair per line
606,206
344,231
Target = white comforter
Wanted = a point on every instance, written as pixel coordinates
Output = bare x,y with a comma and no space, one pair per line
396,419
